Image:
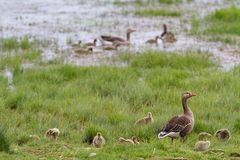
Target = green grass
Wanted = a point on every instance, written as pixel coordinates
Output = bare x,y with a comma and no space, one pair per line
83,100
169,1
148,2
13,43
223,24
157,12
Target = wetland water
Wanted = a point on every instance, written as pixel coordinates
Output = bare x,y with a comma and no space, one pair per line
63,20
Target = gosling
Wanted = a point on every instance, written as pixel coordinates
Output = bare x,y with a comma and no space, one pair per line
223,134
202,146
132,140
146,120
98,140
52,133
203,136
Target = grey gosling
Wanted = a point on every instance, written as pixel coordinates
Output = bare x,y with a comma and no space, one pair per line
223,134
132,140
146,120
52,133
98,140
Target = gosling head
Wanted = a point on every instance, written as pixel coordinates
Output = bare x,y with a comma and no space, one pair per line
149,114
204,136
99,134
90,49
188,94
95,40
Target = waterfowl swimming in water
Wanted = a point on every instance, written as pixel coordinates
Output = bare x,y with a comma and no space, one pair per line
83,50
203,136
202,145
132,140
115,38
180,125
91,44
223,134
153,41
52,133
98,140
111,47
146,120
167,37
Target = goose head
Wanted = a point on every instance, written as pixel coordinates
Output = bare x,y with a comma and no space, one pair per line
188,94
130,30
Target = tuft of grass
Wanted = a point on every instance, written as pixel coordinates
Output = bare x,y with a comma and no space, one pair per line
13,43
223,24
4,142
169,1
9,43
157,12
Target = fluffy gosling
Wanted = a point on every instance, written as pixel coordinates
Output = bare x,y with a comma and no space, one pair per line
146,120
203,136
52,133
98,140
132,140
223,134
202,145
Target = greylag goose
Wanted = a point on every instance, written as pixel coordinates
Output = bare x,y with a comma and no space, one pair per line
145,120
204,136
180,125
52,133
91,44
153,41
111,47
166,36
98,140
83,50
223,134
119,39
77,44
132,140
202,145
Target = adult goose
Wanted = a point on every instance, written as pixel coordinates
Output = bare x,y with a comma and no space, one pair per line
180,125
119,39
166,36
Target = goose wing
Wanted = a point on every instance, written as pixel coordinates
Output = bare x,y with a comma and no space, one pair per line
112,38
175,125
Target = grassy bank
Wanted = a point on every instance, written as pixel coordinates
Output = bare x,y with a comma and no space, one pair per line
157,12
222,24
83,100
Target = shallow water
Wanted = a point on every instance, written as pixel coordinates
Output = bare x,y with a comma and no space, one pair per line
64,20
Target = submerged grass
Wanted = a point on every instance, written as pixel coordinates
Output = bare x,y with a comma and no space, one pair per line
157,12
81,101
